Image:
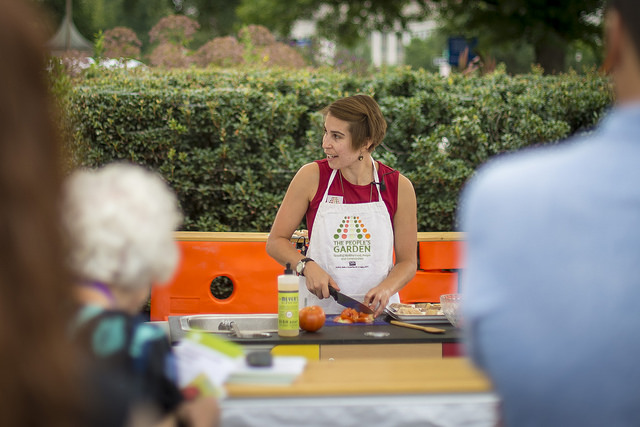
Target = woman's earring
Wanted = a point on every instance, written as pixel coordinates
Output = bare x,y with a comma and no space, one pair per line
360,157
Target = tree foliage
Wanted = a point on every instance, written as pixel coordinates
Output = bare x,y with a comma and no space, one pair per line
421,53
346,22
91,16
548,26
217,18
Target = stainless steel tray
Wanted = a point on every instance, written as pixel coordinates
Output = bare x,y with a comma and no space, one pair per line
417,318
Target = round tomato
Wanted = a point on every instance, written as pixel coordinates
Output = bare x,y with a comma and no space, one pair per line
312,318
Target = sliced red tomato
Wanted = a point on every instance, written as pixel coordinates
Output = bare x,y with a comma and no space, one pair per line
340,319
349,315
365,318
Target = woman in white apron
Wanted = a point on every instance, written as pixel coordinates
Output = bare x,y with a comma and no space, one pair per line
358,212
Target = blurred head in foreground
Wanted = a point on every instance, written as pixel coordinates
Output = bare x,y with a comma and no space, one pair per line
37,364
622,40
121,220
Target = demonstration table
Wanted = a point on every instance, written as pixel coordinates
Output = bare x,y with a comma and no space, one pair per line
376,392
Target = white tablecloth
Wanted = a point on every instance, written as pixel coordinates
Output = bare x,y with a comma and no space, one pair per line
450,410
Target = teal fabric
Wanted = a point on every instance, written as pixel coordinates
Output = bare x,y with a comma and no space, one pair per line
109,337
144,334
132,349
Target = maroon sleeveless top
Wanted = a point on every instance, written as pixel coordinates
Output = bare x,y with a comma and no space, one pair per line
355,193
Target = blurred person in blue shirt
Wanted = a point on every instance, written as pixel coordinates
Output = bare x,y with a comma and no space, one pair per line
552,283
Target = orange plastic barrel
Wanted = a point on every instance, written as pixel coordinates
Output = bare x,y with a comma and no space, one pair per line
253,275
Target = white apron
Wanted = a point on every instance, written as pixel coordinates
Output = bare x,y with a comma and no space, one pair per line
353,243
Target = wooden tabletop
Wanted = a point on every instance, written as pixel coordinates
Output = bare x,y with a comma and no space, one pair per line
205,236
375,376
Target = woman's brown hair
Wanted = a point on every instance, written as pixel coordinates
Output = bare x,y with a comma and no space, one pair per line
37,365
366,122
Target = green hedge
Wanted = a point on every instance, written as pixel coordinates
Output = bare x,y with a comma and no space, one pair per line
229,142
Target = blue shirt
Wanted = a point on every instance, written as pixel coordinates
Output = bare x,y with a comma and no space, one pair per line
552,284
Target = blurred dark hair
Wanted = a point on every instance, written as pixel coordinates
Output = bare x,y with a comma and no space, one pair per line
629,11
37,364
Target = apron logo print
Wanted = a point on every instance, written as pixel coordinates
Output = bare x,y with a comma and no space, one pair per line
352,228
352,240
352,263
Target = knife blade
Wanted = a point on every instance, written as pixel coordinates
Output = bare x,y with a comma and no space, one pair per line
349,302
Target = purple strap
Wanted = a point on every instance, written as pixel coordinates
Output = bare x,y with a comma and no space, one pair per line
100,287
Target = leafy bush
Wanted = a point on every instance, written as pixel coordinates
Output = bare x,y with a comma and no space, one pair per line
281,55
121,42
260,48
169,55
176,29
257,35
221,51
229,141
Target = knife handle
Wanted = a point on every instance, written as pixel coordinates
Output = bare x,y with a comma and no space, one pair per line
333,293
422,328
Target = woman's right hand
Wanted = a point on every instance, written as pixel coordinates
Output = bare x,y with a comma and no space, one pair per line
318,280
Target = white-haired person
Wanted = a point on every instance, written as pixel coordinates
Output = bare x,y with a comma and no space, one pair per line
120,220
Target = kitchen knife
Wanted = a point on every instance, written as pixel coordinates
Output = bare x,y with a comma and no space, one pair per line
349,302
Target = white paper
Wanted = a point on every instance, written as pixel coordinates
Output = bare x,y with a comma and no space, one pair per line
194,358
284,370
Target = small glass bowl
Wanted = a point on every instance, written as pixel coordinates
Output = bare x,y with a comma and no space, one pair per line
450,304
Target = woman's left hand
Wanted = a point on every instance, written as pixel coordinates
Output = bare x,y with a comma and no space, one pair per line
377,299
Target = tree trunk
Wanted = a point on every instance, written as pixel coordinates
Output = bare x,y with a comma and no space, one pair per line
550,53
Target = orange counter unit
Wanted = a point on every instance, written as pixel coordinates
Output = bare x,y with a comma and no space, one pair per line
439,262
238,262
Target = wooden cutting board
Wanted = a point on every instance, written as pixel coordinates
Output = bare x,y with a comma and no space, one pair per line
375,376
